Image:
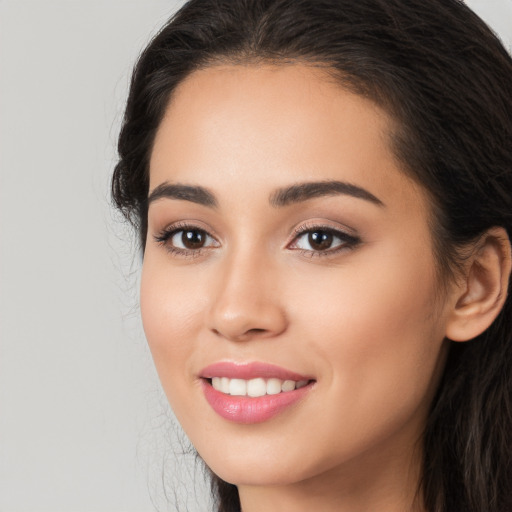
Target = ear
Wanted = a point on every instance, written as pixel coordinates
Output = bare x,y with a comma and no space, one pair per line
482,291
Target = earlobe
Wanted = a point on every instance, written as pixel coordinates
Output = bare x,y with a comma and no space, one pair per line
483,290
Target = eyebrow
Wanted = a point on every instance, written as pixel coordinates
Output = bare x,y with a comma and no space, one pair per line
193,193
297,193
303,191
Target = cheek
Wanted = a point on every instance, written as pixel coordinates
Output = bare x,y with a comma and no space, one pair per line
169,309
382,333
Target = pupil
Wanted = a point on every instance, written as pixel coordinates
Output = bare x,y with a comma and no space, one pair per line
320,240
192,239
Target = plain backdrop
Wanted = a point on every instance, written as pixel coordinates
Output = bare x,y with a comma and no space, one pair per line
83,423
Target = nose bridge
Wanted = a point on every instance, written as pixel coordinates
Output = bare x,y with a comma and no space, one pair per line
246,303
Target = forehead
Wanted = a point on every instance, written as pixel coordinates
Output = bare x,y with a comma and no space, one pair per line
268,125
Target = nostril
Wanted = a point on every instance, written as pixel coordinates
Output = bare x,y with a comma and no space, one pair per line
255,331
242,336
245,323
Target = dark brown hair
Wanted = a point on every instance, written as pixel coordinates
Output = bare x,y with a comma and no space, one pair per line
446,79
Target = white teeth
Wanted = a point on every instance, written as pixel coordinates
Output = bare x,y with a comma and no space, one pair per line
224,385
255,387
216,383
273,386
238,387
288,385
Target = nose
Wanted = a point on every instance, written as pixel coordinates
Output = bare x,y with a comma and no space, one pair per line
247,302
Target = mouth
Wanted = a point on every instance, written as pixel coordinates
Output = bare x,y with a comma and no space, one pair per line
255,388
253,392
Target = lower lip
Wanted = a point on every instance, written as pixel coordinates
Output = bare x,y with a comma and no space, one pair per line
244,409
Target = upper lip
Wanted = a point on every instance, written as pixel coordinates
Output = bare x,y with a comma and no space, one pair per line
248,371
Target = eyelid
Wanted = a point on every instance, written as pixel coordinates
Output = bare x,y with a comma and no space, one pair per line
184,225
164,235
323,225
347,235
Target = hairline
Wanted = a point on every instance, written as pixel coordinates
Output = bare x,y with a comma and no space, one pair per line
395,136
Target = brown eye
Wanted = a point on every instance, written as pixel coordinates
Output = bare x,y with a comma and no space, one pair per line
186,240
326,241
193,239
320,240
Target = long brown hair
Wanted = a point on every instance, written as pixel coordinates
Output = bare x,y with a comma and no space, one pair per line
447,80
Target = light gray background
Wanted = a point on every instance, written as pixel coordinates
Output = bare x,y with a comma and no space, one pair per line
83,424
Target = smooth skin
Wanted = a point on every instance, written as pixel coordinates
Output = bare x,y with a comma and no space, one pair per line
363,312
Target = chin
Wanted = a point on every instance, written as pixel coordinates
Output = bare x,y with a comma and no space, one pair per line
258,468
258,475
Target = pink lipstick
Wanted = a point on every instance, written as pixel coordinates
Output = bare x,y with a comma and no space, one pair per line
252,392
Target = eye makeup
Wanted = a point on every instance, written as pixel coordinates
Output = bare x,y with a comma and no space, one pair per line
184,239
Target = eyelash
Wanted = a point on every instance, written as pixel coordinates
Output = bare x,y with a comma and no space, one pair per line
167,234
347,241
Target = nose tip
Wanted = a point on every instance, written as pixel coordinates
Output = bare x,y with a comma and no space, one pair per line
246,306
248,322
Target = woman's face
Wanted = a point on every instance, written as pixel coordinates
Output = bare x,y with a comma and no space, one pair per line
285,244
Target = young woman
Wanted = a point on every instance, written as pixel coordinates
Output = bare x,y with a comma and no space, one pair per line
323,190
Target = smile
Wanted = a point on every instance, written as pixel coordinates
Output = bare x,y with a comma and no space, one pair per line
255,387
252,392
